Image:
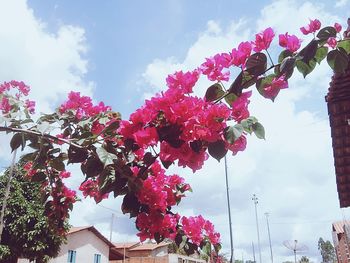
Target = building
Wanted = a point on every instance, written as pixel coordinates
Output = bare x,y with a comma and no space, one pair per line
137,249
341,238
88,245
84,244
136,252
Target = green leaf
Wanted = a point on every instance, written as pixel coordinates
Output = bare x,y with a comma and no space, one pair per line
39,177
214,92
232,133
309,52
130,205
92,167
287,67
236,86
206,249
263,82
259,130
217,149
247,124
105,157
284,54
304,68
337,60
57,164
326,33
247,80
16,141
230,98
76,155
256,64
345,44
321,53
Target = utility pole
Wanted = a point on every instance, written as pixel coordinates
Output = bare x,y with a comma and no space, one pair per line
255,199
111,229
229,211
268,231
253,252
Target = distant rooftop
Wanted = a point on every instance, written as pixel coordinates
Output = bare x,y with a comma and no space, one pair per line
338,226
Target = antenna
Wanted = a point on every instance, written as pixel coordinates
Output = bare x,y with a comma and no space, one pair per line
295,247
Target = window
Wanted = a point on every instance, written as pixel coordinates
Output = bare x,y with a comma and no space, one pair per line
71,256
97,258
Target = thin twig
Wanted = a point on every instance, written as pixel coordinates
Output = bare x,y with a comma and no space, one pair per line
45,135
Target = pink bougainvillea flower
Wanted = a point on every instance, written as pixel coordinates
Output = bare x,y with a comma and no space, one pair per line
312,27
64,174
271,91
240,107
30,106
337,27
239,145
240,55
290,42
263,39
183,81
332,42
197,228
214,67
5,105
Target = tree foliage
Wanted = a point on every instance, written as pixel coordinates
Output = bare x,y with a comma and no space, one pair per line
327,251
27,232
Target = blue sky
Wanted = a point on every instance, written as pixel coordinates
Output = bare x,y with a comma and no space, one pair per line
124,36
121,51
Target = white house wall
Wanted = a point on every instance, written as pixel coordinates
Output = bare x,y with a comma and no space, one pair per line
86,244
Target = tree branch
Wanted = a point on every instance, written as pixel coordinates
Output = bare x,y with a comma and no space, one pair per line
45,135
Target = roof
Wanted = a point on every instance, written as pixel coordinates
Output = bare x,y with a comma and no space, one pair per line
74,230
137,246
149,246
338,226
126,245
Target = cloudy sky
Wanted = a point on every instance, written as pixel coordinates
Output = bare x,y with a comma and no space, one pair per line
121,51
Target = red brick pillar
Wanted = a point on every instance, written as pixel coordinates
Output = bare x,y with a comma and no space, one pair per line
338,102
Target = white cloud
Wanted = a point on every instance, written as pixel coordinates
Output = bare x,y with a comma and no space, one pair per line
51,63
341,3
292,171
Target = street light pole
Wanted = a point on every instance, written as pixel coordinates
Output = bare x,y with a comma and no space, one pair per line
229,211
255,199
268,231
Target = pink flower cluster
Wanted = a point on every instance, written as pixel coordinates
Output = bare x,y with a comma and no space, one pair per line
90,188
160,191
82,106
216,67
150,224
183,124
197,228
290,42
21,90
312,27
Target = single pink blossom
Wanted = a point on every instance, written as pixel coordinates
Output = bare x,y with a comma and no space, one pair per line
271,91
332,42
5,105
312,27
263,39
30,104
290,42
337,27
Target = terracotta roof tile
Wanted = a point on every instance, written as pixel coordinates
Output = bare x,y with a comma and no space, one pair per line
338,226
